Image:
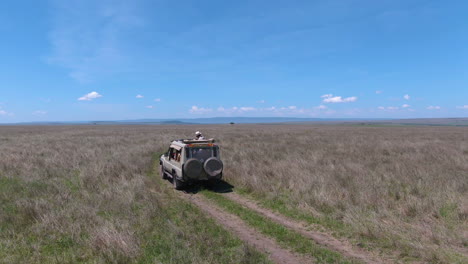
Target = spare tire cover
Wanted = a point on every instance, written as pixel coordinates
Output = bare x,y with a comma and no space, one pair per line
193,168
213,166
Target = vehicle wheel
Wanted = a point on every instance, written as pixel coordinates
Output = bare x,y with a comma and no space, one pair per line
162,172
178,185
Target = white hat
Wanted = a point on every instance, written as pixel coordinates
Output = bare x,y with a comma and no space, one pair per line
197,133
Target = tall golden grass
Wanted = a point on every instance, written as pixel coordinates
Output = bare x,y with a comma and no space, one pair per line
88,194
83,192
404,188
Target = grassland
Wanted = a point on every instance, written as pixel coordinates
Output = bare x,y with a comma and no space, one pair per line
283,235
89,194
391,189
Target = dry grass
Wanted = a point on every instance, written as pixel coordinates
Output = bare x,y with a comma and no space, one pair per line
403,188
83,194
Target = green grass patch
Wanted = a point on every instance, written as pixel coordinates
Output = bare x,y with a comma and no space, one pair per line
167,229
284,236
73,182
279,206
447,212
182,233
331,225
188,236
9,185
20,242
58,245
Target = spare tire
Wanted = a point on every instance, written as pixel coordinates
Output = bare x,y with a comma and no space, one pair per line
193,168
213,166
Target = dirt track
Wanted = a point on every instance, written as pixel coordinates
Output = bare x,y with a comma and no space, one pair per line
246,233
268,245
326,240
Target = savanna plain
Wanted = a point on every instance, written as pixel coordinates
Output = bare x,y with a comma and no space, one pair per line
93,194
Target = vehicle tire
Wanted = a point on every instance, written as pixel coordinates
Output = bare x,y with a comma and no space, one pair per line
178,185
162,172
213,166
193,168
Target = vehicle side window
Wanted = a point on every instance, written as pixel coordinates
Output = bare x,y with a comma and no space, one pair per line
175,154
171,153
178,155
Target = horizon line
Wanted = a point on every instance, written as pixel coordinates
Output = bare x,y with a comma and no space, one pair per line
148,120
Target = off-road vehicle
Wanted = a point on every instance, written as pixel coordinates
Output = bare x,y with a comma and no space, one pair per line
187,161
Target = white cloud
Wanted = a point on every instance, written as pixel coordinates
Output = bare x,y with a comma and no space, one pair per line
139,96
389,108
378,92
406,96
329,98
157,100
5,113
284,111
433,107
405,106
261,101
247,108
39,112
229,110
90,96
199,110
239,110
463,107
321,107
149,106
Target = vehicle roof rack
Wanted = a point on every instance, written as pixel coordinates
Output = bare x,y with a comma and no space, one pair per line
188,141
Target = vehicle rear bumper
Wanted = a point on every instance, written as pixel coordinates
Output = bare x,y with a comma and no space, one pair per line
203,177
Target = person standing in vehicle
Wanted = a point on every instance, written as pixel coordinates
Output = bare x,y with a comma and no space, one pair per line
199,136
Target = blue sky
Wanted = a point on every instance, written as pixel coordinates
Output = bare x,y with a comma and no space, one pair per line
113,60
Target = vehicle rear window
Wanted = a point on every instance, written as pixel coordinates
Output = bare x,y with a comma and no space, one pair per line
201,153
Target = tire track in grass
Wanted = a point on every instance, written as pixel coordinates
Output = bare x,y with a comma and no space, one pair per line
246,233
186,234
283,236
326,240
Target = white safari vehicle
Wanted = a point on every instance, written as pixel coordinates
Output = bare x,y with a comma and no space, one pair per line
188,161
